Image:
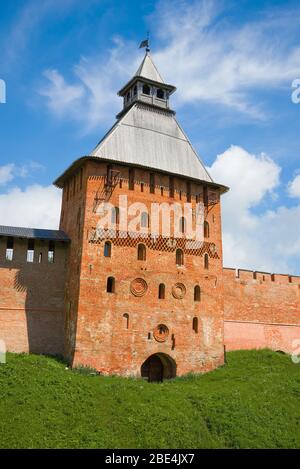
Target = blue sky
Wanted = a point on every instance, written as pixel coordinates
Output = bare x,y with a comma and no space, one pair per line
233,64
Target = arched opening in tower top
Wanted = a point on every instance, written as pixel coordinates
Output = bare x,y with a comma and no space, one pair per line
146,89
158,367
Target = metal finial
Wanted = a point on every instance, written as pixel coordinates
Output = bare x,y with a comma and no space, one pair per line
145,43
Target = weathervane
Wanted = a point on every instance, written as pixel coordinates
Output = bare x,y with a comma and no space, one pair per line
145,43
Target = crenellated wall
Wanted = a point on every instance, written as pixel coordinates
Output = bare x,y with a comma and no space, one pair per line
32,298
261,310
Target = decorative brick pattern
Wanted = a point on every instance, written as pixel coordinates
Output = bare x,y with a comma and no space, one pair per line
122,238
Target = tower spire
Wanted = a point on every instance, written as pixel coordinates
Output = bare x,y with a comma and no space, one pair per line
147,85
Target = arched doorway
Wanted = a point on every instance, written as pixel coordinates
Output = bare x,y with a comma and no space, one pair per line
158,367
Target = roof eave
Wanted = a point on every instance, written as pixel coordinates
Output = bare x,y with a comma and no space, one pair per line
34,233
59,181
139,101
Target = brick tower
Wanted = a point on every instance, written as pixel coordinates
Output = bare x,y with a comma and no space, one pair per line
140,302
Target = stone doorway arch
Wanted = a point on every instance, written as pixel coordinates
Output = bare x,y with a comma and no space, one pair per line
158,367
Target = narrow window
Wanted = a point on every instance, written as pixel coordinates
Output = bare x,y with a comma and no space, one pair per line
152,183
206,229
10,249
188,191
160,93
161,291
126,320
206,261
182,224
142,187
197,293
110,286
107,249
40,257
180,195
115,216
179,257
109,175
135,90
171,185
205,196
146,89
141,255
173,341
131,179
30,250
161,191
79,222
51,251
144,220
195,325
128,96
120,183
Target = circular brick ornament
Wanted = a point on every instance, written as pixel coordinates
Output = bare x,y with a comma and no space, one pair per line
178,291
161,333
138,287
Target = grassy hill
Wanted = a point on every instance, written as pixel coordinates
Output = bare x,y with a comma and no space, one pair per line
252,402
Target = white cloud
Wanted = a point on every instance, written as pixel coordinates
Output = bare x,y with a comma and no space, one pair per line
249,177
60,94
294,187
34,207
6,173
207,57
11,171
92,98
261,239
213,60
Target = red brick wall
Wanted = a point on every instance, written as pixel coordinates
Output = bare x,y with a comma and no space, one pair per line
32,297
72,222
261,310
96,332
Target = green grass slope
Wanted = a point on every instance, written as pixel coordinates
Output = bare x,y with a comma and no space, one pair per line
252,402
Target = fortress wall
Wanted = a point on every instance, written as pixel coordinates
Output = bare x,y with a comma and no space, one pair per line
31,299
261,310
